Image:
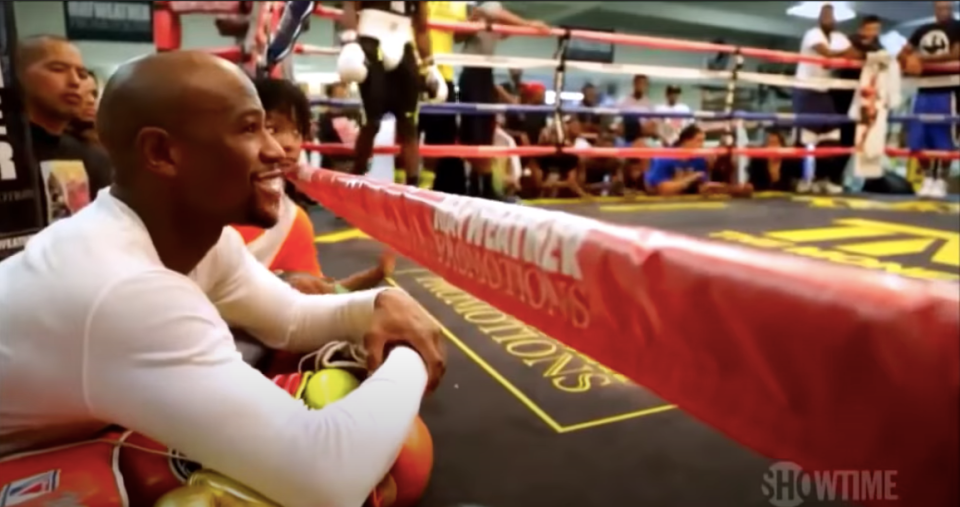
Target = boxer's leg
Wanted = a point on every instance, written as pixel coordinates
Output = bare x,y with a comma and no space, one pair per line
918,138
939,137
374,95
441,129
406,87
477,86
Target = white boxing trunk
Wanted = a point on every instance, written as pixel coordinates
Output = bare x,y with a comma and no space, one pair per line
394,31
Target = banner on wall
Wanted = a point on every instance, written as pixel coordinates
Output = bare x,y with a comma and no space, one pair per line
20,198
109,21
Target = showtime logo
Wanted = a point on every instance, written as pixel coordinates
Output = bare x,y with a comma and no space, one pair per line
787,485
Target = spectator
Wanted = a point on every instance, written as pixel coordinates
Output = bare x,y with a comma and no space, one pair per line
477,86
83,127
633,175
822,40
562,173
677,176
515,84
525,129
591,123
774,173
669,128
602,175
864,41
450,173
636,127
53,77
338,125
932,43
507,171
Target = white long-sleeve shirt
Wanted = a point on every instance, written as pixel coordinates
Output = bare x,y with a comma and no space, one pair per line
95,330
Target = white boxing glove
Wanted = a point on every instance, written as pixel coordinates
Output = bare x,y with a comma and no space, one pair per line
352,62
435,85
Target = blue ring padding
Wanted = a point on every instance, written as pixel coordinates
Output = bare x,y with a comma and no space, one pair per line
785,119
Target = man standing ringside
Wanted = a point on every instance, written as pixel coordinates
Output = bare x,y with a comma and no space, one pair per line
52,75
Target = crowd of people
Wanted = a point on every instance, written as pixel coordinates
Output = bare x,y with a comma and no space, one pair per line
561,175
133,307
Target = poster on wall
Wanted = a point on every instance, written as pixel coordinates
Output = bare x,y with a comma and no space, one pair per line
590,51
109,21
21,214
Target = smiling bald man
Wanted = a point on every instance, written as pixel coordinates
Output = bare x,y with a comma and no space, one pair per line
118,315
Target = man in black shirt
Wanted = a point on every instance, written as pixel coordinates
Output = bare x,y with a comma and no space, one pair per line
866,40
933,43
52,74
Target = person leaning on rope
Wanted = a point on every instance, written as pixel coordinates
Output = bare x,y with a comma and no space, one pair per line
288,247
933,43
136,332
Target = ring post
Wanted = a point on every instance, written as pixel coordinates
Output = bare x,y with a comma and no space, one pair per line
559,80
730,138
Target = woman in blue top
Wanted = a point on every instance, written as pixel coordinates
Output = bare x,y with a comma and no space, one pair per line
678,176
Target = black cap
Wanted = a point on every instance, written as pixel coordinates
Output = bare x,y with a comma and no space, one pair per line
673,89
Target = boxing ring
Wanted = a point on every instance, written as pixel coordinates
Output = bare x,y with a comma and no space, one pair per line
520,408
815,330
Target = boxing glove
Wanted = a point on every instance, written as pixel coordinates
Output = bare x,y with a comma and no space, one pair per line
291,383
207,488
411,471
433,83
352,62
151,470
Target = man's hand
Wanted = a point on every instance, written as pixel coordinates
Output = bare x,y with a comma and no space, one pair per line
912,65
308,284
538,25
713,188
399,320
387,263
691,176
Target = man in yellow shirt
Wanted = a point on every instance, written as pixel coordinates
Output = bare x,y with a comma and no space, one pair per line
441,129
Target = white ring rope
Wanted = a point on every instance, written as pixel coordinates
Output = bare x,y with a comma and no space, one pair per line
657,71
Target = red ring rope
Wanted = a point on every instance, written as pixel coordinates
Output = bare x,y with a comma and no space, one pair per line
435,151
835,368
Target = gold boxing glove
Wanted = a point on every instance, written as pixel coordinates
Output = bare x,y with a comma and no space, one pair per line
207,488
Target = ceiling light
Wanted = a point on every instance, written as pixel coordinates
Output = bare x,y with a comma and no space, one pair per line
811,10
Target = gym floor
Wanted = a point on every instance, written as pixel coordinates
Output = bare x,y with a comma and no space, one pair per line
522,421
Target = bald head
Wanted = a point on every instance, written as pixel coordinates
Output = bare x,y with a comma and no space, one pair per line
187,128
31,50
51,72
165,91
